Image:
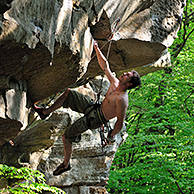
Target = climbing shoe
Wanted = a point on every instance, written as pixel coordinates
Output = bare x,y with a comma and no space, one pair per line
61,169
40,112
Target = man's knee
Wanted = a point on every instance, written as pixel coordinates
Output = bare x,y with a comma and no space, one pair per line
67,91
72,138
74,131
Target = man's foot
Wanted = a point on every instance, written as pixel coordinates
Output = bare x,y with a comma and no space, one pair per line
39,111
61,169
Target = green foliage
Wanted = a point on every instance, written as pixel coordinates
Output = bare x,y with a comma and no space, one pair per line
25,180
186,31
159,152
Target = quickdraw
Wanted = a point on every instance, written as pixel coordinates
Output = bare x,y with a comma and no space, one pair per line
105,140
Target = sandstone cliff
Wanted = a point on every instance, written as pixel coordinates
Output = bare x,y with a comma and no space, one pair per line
46,46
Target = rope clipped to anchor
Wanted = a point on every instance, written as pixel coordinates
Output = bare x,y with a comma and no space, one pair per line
115,25
106,140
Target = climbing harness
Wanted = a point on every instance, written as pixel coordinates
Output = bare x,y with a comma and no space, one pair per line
104,128
102,131
104,140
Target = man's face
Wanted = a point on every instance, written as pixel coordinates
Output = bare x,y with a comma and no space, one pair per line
126,77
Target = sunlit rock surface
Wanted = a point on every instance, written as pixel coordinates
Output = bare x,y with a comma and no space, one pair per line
47,46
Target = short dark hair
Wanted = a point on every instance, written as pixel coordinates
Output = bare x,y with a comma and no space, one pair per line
135,80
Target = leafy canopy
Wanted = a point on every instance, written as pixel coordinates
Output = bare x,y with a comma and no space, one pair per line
159,152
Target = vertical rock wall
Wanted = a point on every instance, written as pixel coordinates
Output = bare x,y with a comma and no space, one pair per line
13,109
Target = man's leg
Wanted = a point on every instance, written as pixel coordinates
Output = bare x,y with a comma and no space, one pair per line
69,99
44,113
67,150
57,104
70,135
65,165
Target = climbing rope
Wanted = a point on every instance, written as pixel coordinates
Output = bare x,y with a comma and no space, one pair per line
115,25
104,140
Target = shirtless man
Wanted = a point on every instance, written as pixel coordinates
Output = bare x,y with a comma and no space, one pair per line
114,104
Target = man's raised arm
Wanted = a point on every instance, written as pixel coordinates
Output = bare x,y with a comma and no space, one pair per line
104,63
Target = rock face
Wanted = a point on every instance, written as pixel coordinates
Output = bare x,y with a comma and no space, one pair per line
47,46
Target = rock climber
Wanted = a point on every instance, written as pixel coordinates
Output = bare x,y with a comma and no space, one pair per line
114,104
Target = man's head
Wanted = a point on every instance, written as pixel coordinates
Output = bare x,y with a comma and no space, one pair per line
130,79
135,80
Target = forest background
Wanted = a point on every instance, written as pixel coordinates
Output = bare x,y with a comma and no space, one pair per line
158,155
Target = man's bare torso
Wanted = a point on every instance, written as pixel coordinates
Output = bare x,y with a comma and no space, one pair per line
109,104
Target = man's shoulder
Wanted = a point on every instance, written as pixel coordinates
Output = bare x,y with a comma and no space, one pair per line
122,98
114,82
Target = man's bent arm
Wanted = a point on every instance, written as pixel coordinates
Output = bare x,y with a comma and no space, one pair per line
104,63
121,111
117,128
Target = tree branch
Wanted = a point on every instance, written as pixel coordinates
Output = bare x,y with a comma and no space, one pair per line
185,38
188,111
185,35
176,182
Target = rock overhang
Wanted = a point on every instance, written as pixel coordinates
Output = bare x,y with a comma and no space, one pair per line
47,46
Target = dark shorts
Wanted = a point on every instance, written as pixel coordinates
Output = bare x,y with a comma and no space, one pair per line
92,119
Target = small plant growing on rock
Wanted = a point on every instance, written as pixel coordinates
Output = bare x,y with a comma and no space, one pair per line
24,180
